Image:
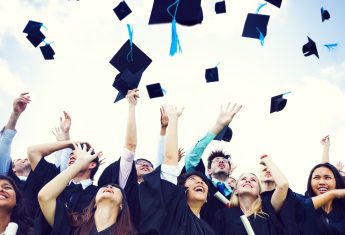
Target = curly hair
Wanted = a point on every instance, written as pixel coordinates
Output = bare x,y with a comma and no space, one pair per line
19,213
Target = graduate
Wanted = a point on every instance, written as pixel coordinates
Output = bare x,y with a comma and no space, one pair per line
168,207
13,208
246,200
107,214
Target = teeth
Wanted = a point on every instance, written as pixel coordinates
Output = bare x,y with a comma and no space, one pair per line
2,197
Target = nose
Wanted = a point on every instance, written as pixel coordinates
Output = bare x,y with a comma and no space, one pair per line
322,181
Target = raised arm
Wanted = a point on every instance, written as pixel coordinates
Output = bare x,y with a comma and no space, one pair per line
324,198
171,145
225,116
282,184
37,152
325,141
164,120
19,105
49,193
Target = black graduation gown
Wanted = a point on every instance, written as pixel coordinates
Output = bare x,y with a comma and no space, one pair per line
300,217
111,176
228,222
164,209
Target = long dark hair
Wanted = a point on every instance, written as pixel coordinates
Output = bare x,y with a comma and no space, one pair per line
19,213
338,203
85,221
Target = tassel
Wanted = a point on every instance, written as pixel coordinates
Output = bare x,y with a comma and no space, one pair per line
331,46
261,5
130,53
262,37
175,42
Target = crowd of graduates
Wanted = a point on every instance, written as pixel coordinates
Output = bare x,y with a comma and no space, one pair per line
132,196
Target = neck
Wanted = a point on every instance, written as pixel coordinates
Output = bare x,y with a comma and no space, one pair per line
5,219
268,185
221,176
328,207
81,176
195,207
105,215
246,203
140,179
24,172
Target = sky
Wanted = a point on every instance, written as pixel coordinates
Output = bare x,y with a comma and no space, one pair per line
86,34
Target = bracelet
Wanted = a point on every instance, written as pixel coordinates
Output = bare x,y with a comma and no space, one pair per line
263,156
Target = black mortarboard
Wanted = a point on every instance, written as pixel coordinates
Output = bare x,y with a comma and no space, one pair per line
48,52
255,23
277,103
32,26
276,3
310,48
211,75
122,10
325,15
154,90
125,81
189,12
225,134
220,7
35,36
123,59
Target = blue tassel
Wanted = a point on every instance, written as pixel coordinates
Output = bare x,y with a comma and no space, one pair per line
175,42
261,5
262,37
130,32
331,46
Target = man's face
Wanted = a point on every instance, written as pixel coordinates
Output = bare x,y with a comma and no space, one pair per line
143,167
219,165
21,164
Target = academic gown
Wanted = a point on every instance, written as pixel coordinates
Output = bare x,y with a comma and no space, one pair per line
300,217
111,176
228,222
164,209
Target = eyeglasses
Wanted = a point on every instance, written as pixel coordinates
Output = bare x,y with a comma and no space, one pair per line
220,159
143,162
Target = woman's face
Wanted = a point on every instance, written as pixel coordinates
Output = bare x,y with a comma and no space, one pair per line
248,183
109,193
322,180
197,189
7,195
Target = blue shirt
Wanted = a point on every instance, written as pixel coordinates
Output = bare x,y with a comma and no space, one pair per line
5,150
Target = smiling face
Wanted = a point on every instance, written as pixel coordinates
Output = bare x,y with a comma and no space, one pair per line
7,195
109,193
248,183
197,189
322,180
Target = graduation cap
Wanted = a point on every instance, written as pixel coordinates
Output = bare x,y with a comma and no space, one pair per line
32,26
211,74
125,81
310,48
276,3
220,7
325,15
48,52
131,58
122,10
255,26
35,36
155,90
278,103
189,12
225,134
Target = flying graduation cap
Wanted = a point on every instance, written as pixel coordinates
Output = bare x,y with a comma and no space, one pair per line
276,3
34,34
122,10
310,48
126,80
256,26
47,52
220,7
278,103
225,134
189,12
211,74
324,15
155,90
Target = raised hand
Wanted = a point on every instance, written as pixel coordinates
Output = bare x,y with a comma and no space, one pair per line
164,118
173,111
132,96
20,103
58,134
181,153
227,113
65,123
325,141
339,165
84,156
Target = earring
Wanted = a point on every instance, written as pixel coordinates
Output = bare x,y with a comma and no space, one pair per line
121,207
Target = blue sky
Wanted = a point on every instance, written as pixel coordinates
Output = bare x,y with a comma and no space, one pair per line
87,34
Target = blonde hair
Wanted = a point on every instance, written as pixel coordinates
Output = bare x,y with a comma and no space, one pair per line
256,207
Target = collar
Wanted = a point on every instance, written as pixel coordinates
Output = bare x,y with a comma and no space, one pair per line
84,183
22,178
227,190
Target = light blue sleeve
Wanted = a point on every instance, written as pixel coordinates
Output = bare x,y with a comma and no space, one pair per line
194,156
62,157
161,149
5,150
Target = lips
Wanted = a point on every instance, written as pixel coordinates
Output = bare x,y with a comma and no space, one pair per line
222,166
247,185
322,189
199,189
3,196
108,190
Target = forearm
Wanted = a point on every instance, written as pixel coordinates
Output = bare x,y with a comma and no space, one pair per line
325,154
320,200
216,128
11,124
131,132
171,144
126,163
36,152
